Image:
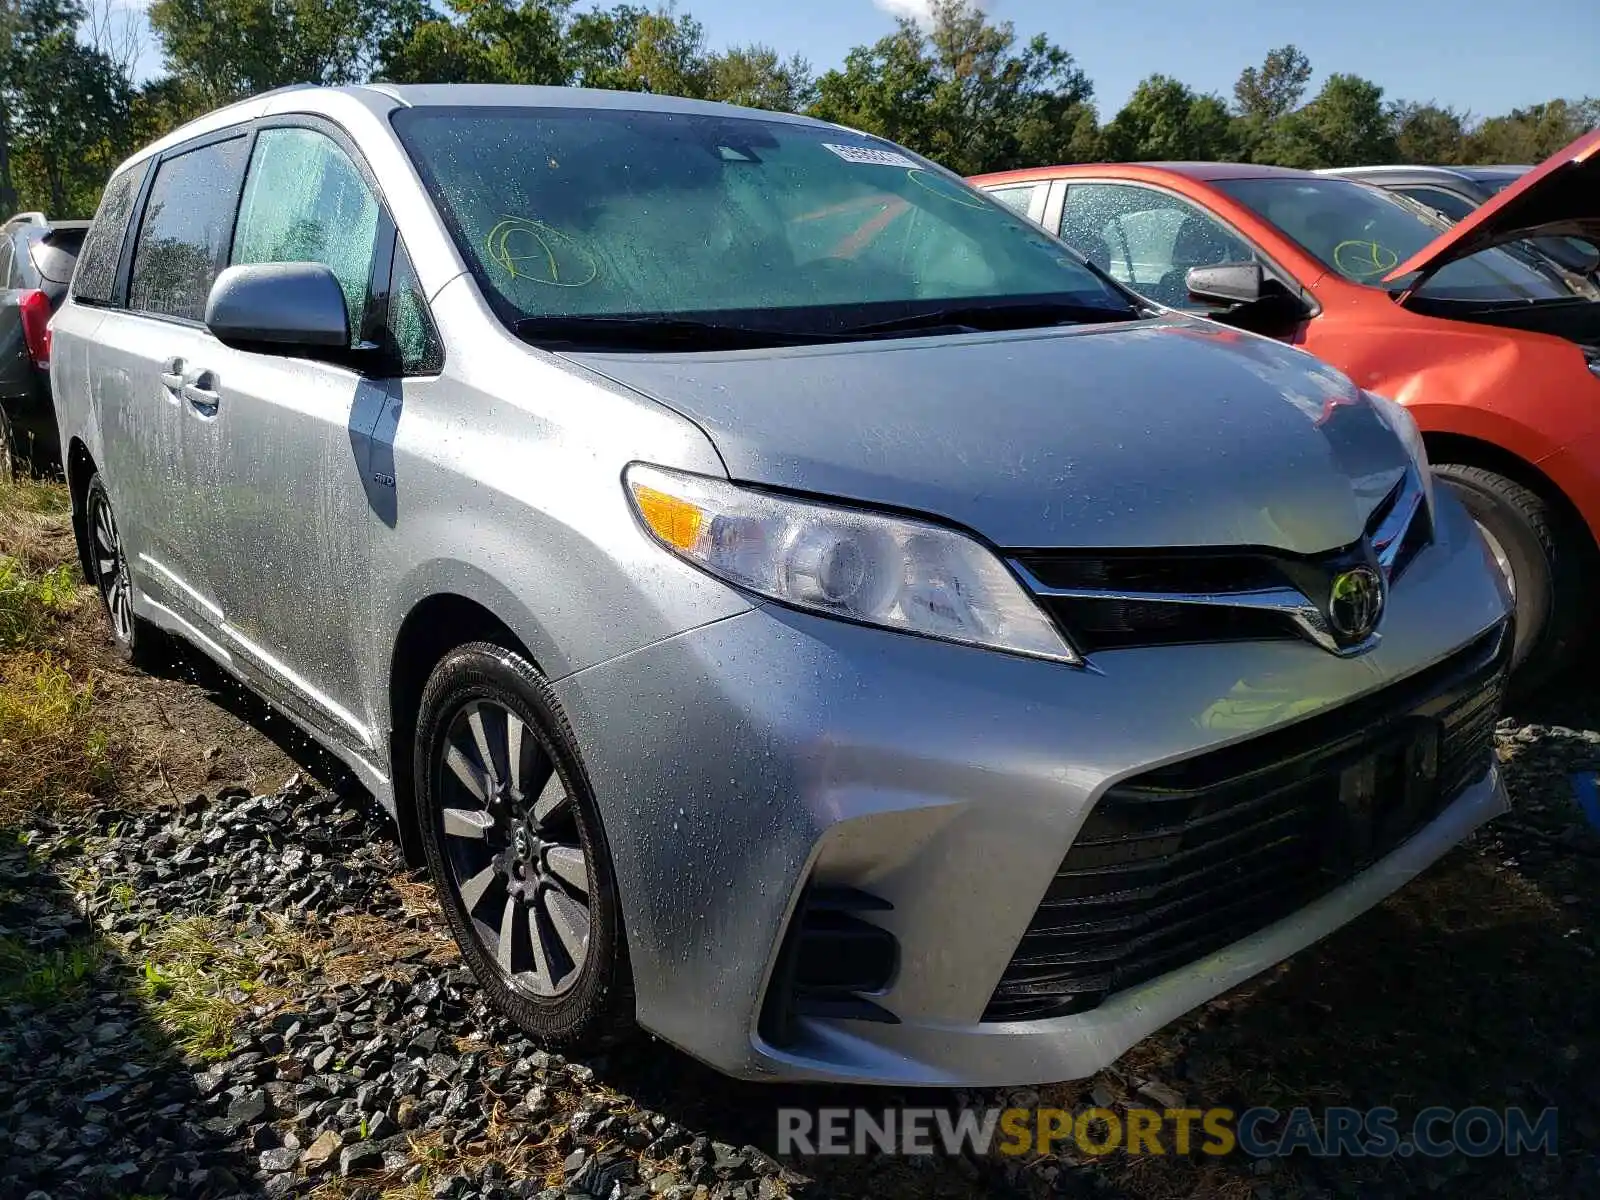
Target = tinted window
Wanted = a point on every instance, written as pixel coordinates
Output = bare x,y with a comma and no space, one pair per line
1363,233
1145,238
7,257
1446,204
305,201
602,212
55,254
96,276
183,239
410,328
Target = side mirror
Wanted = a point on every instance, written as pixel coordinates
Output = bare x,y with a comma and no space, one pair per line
280,307
1231,284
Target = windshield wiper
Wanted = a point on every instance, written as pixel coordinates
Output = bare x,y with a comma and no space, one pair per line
994,317
646,332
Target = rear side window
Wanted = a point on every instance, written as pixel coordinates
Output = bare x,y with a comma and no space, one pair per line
6,257
1019,199
305,201
96,278
188,223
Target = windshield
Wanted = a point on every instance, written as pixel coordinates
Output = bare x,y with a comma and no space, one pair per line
1363,233
607,214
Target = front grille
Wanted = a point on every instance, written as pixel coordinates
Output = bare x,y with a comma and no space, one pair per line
1120,599
1178,862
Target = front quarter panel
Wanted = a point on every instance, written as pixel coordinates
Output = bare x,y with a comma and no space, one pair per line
501,481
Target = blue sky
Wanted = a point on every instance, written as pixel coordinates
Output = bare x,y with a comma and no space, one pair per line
1472,54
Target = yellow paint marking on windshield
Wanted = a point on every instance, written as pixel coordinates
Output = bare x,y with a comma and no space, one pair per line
1362,260
939,186
528,249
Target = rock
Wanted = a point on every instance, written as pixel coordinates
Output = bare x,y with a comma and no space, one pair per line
281,1159
363,1156
249,1108
321,1152
1161,1095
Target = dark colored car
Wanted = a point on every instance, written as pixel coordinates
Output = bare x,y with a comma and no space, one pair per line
1453,192
36,260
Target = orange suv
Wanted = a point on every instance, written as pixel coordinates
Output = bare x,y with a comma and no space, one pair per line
1497,361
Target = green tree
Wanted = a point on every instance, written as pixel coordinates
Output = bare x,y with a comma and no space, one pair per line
638,50
964,93
1530,135
1165,120
756,77
63,108
1273,89
481,41
1427,133
1347,125
229,49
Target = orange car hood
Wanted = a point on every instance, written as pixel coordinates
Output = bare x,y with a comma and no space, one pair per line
1558,198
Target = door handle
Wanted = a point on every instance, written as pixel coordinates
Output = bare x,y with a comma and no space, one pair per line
200,390
172,374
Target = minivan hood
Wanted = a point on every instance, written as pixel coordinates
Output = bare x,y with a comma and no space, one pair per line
1156,433
1558,198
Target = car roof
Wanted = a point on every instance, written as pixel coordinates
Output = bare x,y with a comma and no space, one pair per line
1420,172
1203,171
383,98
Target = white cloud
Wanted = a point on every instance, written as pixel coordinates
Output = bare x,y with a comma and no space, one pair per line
920,11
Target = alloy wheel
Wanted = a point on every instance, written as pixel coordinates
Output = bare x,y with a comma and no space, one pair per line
515,854
111,566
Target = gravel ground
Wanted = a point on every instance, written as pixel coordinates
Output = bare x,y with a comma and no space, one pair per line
249,995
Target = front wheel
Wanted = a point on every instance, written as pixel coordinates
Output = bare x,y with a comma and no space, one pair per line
1544,561
516,849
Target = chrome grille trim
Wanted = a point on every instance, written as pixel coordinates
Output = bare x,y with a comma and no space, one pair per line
1388,540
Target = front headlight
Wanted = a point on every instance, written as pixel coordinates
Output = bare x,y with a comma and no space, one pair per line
1404,426
895,573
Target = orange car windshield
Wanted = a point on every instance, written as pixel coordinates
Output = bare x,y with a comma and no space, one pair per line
1364,233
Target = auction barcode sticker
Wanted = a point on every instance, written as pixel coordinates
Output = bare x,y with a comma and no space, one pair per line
866,154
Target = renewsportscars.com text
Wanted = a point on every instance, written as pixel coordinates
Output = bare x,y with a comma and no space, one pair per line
1261,1132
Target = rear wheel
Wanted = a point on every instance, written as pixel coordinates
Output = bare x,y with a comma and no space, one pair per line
515,847
1543,557
134,637
8,449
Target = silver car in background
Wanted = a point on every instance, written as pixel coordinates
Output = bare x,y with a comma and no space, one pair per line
789,601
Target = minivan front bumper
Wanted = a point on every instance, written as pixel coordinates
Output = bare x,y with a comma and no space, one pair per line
773,755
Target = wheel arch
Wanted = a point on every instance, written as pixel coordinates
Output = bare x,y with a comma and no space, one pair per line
80,468
1475,452
433,627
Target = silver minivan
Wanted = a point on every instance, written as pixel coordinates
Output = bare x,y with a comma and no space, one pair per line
790,602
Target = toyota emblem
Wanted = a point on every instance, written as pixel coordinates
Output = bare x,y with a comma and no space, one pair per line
1355,603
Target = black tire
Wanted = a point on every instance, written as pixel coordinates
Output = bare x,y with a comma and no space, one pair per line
1548,562
546,989
136,640
9,467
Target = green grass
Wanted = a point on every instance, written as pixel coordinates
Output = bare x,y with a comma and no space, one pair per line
51,747
31,603
200,981
45,976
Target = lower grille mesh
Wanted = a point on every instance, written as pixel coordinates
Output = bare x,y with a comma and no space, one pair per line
1181,861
